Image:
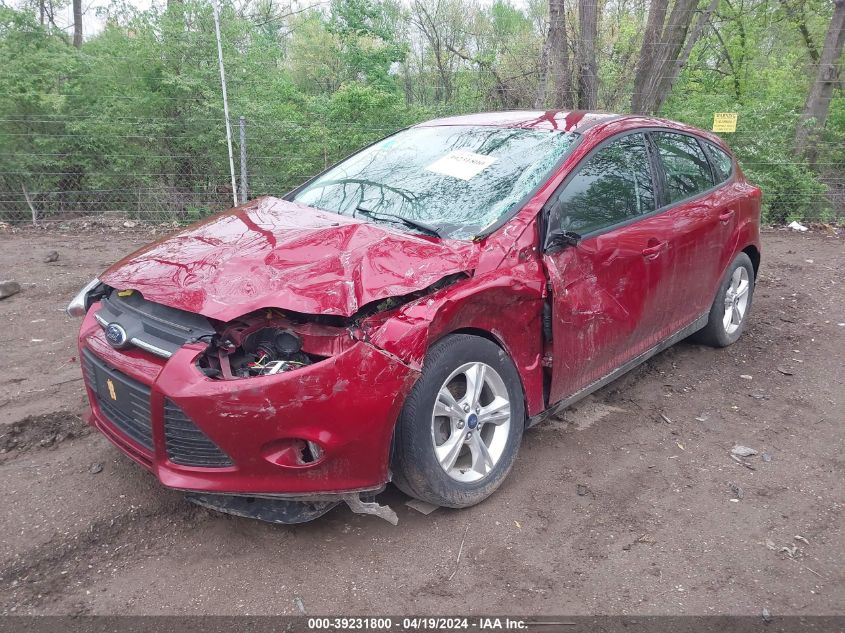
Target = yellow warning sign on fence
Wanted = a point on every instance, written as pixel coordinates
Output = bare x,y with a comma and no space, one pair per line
724,121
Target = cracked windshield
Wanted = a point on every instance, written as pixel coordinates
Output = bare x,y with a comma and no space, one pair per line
450,181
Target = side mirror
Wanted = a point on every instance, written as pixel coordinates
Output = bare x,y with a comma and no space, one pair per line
559,240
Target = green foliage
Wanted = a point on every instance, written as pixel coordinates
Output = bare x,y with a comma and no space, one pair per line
367,36
791,190
758,64
132,122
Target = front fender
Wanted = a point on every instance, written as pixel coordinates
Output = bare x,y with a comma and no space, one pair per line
506,304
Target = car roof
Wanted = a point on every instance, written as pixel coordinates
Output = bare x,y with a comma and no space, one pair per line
563,120
578,121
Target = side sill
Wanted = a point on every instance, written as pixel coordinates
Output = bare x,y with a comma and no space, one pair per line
681,334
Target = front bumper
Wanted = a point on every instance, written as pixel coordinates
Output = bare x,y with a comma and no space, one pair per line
348,404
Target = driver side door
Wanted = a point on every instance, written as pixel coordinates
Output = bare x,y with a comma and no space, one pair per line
605,289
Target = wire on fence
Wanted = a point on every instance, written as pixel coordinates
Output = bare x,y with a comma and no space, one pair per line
55,174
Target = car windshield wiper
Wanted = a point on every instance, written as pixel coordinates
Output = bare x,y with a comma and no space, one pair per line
422,226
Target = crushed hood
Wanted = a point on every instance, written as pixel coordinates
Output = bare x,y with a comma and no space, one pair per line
274,253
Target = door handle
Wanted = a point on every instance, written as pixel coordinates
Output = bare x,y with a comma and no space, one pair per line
725,216
653,251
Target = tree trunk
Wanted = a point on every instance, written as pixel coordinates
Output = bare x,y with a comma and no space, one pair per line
587,66
648,53
540,98
667,45
559,66
678,55
817,105
77,23
800,18
431,25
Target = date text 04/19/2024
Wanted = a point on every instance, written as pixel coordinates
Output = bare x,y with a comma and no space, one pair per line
416,623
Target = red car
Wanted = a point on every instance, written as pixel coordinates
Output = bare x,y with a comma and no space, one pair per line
406,314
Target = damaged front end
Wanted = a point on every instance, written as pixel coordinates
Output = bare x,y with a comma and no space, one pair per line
272,341
274,415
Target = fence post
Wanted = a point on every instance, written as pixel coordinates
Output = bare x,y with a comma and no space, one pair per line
244,184
216,11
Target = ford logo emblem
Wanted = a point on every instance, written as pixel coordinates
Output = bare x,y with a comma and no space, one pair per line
115,335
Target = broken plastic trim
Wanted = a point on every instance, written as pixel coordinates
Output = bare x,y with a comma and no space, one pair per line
291,510
357,505
285,511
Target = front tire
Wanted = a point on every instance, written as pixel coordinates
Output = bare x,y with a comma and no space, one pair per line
460,428
730,308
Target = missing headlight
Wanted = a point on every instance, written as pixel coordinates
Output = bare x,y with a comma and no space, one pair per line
265,344
270,351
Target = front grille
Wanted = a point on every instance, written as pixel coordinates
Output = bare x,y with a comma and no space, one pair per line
123,401
186,444
156,328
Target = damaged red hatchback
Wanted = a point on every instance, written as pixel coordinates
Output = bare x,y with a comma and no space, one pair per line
405,315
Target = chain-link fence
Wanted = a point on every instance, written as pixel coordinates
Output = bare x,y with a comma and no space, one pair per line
131,169
164,170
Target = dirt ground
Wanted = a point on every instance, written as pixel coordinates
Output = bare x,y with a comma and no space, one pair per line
628,504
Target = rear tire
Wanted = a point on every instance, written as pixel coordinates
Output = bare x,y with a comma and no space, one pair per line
729,312
460,428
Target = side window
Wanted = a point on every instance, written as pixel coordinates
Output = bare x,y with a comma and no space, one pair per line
685,165
614,185
722,163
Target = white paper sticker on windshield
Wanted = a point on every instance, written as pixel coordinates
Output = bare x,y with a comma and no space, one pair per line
461,164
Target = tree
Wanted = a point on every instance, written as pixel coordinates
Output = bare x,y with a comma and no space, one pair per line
587,65
666,47
77,23
554,61
440,22
368,35
817,105
799,16
135,124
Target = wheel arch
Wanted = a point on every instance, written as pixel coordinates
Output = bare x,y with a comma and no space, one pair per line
754,255
490,336
504,309
477,331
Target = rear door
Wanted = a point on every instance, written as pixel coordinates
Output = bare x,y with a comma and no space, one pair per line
691,207
726,201
604,290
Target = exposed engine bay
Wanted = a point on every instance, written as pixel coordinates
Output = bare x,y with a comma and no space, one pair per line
270,342
268,351
262,343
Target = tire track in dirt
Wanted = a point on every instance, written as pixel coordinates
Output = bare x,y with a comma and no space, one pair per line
67,525
665,539
40,431
43,574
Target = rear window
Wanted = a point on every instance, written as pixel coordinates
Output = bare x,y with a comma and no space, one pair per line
722,163
685,165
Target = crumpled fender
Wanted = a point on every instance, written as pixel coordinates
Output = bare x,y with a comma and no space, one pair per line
505,303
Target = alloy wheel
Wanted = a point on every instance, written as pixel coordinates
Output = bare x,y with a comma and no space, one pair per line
471,422
736,300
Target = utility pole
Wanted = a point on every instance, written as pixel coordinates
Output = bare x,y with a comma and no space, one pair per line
225,101
244,184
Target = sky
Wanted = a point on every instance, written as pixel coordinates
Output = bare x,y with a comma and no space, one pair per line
93,24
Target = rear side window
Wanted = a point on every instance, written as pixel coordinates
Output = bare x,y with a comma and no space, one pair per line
722,163
684,164
613,186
